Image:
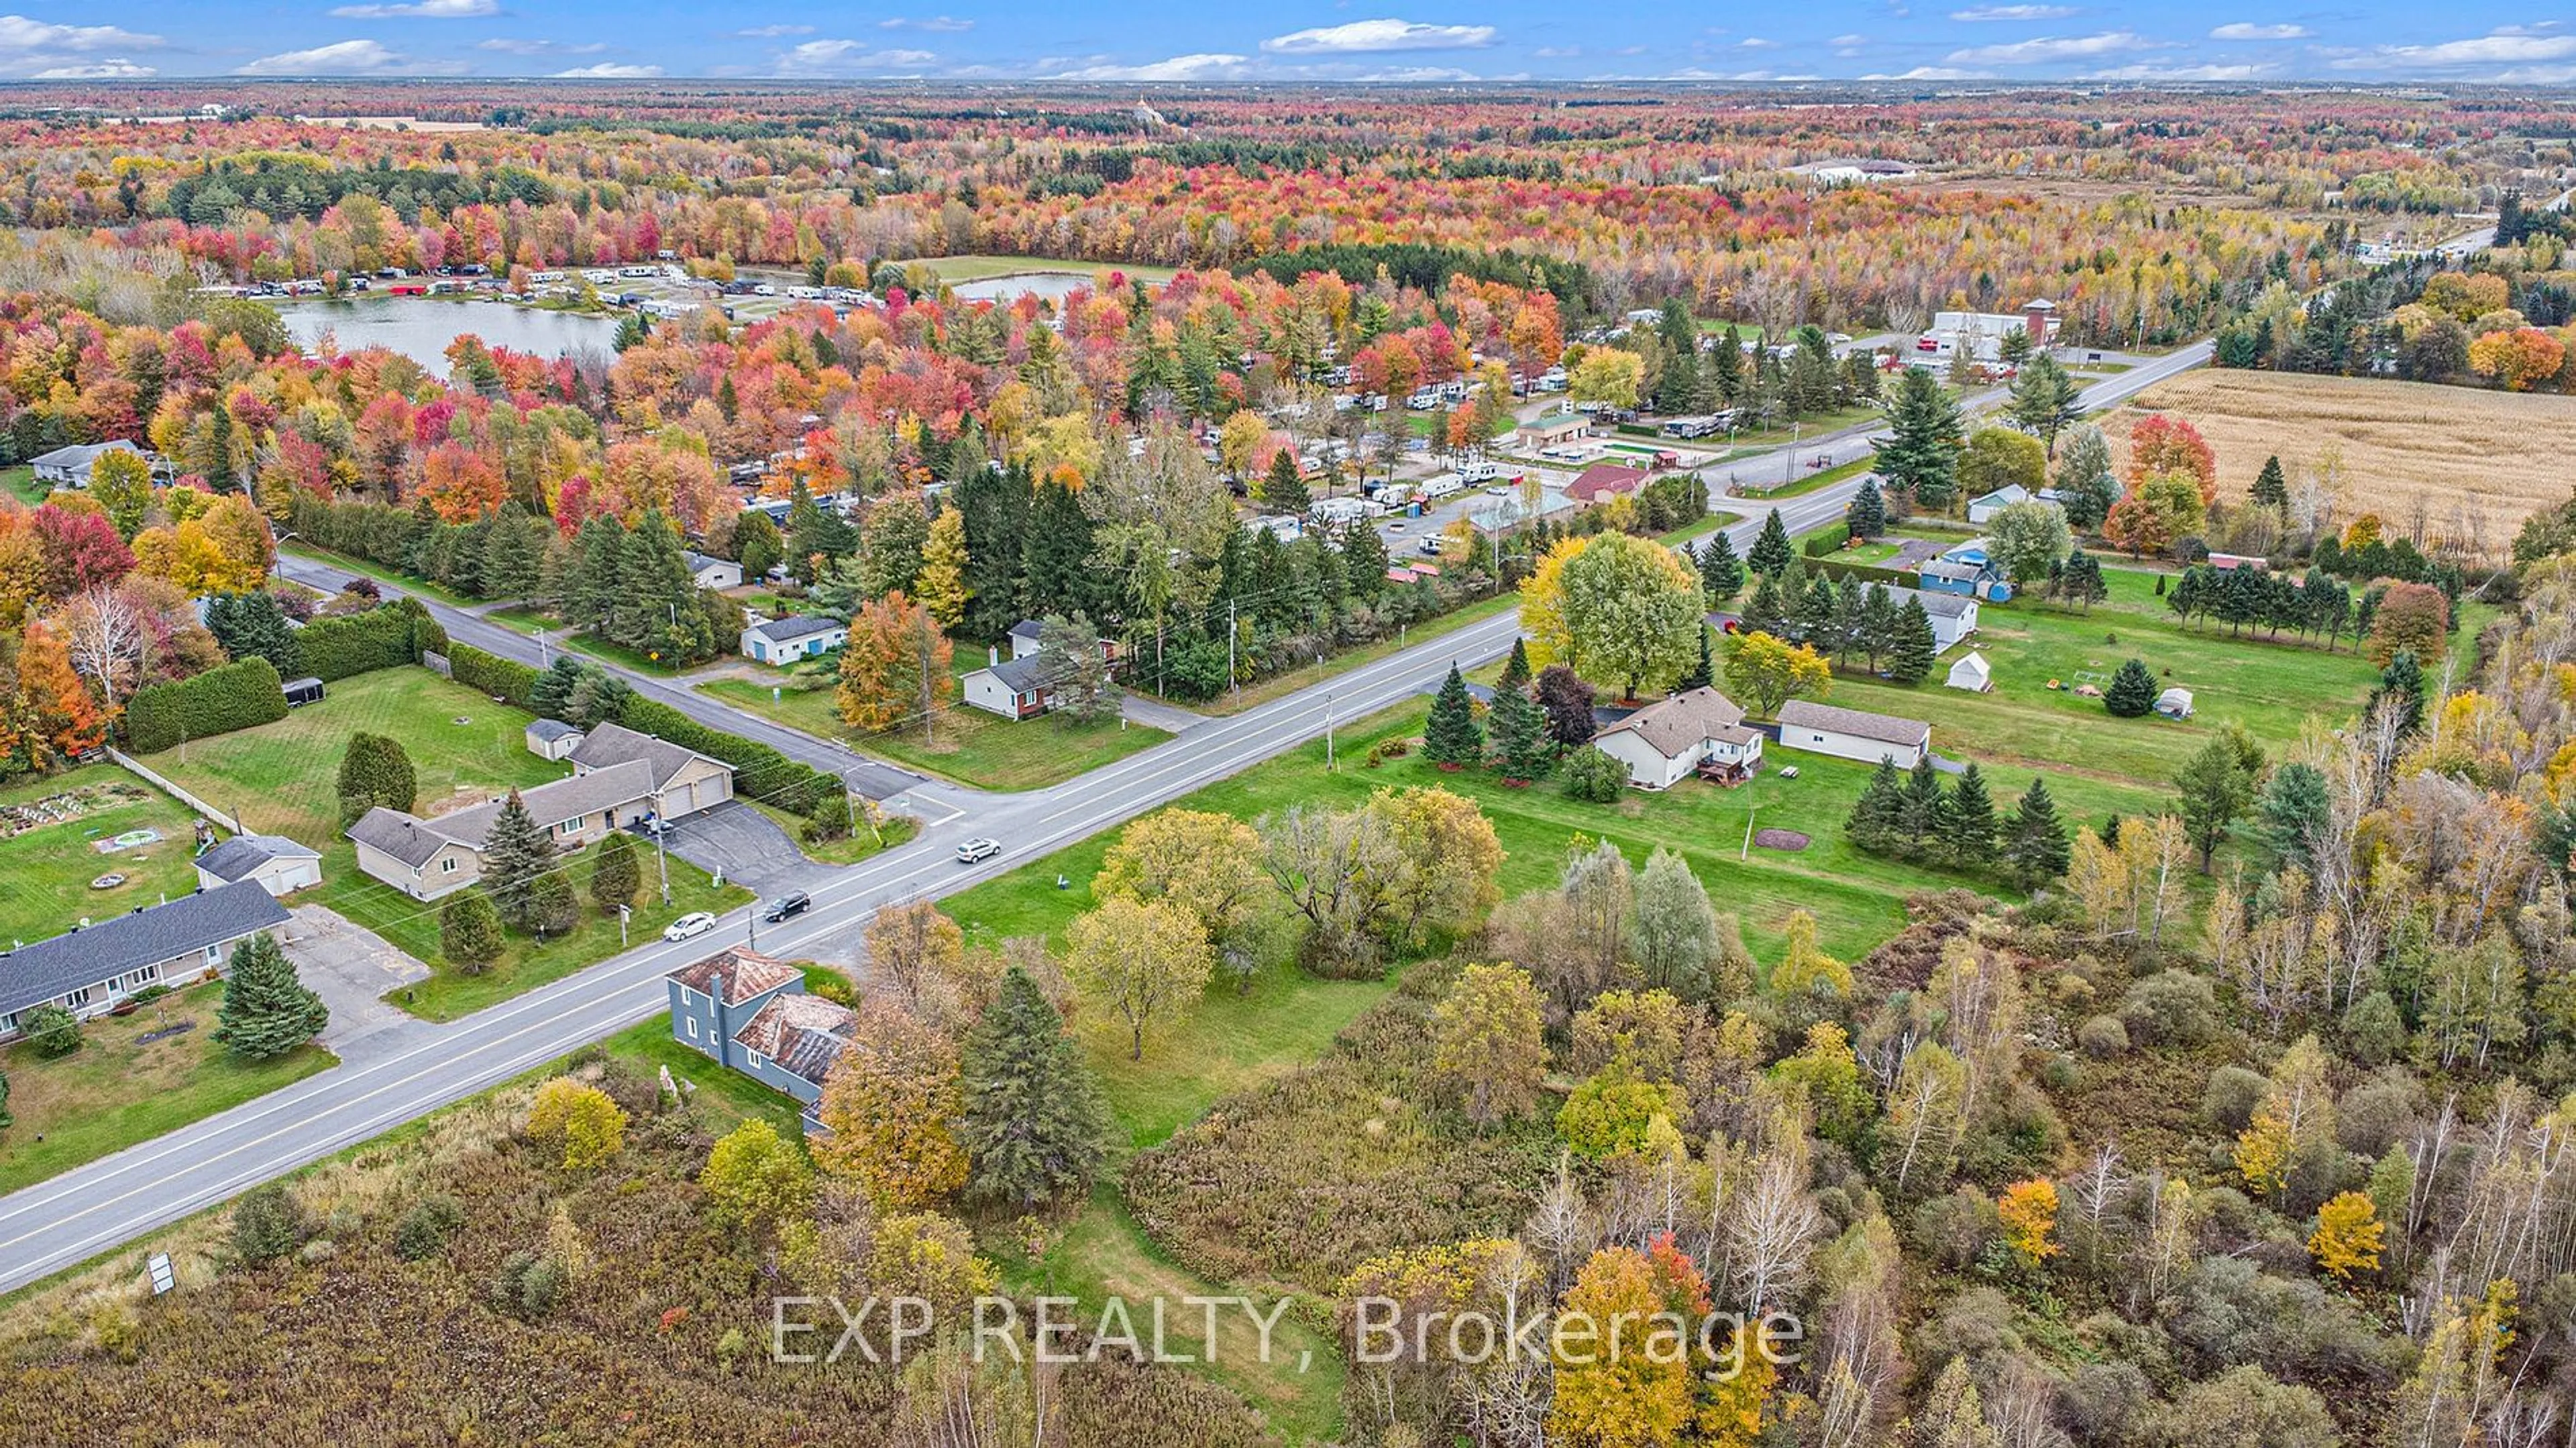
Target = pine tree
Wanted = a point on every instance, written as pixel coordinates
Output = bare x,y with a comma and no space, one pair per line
552,910
1921,453
552,693
602,542
1516,670
1766,613
2132,692
469,931
1721,573
1866,515
375,771
1364,562
1818,609
2271,490
1453,738
2402,680
515,853
1876,635
2035,844
1912,647
1520,735
1876,818
1703,673
1771,555
1283,488
615,874
1034,1124
1921,808
1970,835
267,1011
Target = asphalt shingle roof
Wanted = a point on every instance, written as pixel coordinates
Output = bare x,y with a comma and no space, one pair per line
235,858
1885,728
795,626
612,744
1020,676
67,962
1676,725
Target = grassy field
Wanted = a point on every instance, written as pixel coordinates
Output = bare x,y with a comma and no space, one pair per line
118,1089
1700,528
1749,481
2401,442
1278,685
21,482
955,269
966,744
283,778
48,868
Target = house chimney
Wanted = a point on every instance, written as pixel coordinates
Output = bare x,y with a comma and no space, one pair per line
992,655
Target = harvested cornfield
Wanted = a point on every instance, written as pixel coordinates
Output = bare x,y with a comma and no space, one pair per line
2451,464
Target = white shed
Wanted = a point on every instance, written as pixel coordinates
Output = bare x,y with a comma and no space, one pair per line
1970,673
1854,734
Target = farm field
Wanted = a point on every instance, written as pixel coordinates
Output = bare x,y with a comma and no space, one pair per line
955,269
48,867
464,748
2402,443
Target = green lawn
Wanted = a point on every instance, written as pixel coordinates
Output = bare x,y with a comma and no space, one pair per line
729,1095
117,1090
48,867
955,269
1700,528
21,482
966,744
531,621
859,846
1751,484
1277,685
283,779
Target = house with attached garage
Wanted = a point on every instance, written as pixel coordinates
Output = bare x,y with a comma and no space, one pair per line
1698,730
276,862
751,1013
797,636
1853,733
621,778
91,968
69,467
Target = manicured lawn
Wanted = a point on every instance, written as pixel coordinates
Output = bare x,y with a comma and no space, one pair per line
117,1089
955,269
48,868
532,622
381,574
1700,527
283,778
1750,482
966,744
21,483
858,846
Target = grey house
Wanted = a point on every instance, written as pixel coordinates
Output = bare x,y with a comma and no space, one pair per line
89,969
751,1013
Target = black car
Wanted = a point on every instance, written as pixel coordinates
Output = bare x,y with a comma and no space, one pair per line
786,905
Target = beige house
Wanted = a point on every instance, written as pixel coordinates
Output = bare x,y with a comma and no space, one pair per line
620,778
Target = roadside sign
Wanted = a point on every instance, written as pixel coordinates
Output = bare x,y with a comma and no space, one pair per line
163,1278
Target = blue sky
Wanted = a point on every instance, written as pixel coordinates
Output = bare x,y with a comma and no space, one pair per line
1157,40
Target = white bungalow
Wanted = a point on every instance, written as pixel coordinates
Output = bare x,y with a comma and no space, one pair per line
1664,742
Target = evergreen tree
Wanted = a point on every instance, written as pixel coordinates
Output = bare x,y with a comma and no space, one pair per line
1520,735
995,503
1921,453
1866,515
1921,808
1703,673
2271,490
552,910
1516,670
1721,573
1876,819
2043,400
1283,487
615,873
1766,612
1725,370
267,1011
1771,555
2035,842
1876,635
1818,609
602,542
2081,580
252,626
2402,680
1033,1123
552,693
657,610
815,534
515,853
2132,692
1453,737
1912,648
469,931
1058,558
1364,562
1970,835
375,771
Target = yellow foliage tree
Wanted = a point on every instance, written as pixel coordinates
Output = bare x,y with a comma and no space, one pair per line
1551,640
2348,1236
941,585
892,1103
590,1126
2029,1213
1804,967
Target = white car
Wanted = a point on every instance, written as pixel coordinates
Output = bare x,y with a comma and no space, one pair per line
978,849
696,922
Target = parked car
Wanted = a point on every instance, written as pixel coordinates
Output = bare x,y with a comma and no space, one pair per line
696,922
978,849
793,903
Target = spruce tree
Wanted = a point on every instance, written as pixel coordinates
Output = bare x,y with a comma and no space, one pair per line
1283,488
1970,833
1766,613
1877,633
1058,556
2271,490
469,931
1921,453
1034,1124
1866,515
1453,738
2035,843
1911,646
1876,817
267,1011
593,593
552,692
2402,680
615,874
1721,573
1921,808
1516,670
552,910
375,771
1703,673
1520,735
1364,561
515,853
1771,555
2132,692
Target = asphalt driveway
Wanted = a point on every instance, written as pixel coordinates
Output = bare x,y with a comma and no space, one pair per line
352,969
746,845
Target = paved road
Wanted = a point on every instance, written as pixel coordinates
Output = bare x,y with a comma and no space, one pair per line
62,1222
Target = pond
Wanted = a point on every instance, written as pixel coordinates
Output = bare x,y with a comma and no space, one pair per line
421,327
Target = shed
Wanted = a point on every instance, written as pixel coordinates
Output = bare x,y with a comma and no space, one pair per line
553,739
2174,703
302,691
1854,733
710,572
275,861
1970,673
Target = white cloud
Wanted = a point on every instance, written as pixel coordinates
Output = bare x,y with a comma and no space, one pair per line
1930,72
1360,36
1557,52
511,45
944,24
110,69
346,57
2515,45
421,10
2049,47
2013,12
1756,42
851,57
2241,30
1849,40
2250,71
610,70
17,32
774,32
1179,67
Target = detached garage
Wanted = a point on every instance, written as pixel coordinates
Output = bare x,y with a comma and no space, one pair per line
1854,734
276,862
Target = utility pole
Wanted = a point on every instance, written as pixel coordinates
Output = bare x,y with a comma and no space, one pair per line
923,638
1231,676
1747,852
1328,731
1789,469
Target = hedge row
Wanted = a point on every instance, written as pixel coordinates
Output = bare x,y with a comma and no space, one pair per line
218,701
760,772
1828,540
1865,572
330,649
491,674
